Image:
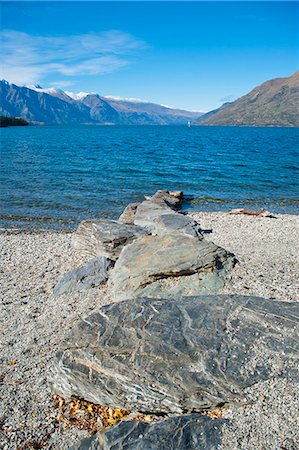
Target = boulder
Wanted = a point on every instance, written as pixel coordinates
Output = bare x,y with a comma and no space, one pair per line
104,237
93,273
128,216
169,267
190,432
147,212
165,199
176,223
165,356
171,199
161,220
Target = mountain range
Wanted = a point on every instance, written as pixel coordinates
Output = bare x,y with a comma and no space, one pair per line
273,103
54,106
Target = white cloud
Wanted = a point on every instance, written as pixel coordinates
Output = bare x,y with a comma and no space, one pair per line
61,84
28,59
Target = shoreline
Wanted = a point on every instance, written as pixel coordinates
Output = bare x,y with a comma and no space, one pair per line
190,212
33,322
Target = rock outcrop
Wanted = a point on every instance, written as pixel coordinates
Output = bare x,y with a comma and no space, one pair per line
172,199
165,356
158,251
163,346
92,274
190,432
104,237
128,215
160,220
169,266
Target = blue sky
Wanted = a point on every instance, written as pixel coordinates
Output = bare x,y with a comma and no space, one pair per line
191,55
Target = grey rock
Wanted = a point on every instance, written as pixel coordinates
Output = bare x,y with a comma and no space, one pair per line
172,199
177,356
93,273
160,220
104,237
147,212
165,201
178,194
128,216
176,224
169,267
190,432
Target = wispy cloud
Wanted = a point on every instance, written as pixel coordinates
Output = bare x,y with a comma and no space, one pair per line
227,98
28,59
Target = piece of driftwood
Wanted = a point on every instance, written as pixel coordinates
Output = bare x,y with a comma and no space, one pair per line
252,212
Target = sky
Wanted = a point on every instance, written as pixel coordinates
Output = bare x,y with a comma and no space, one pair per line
188,55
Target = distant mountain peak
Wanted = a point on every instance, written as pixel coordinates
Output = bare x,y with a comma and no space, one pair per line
54,106
79,95
33,86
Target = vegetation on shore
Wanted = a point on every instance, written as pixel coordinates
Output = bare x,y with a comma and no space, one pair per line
12,121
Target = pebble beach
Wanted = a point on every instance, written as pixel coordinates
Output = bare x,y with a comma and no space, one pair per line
33,322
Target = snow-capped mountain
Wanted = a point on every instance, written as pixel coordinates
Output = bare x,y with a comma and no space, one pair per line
78,96
55,106
59,93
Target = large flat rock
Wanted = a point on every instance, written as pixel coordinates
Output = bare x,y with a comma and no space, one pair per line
157,355
190,432
169,266
104,237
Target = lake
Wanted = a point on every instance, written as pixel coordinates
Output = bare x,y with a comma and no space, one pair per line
57,176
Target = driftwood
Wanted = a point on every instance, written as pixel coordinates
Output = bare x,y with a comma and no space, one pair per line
251,212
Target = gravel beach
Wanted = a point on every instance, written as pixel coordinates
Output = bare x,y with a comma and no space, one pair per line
33,322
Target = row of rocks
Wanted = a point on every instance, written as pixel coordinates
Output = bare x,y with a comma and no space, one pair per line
155,251
162,346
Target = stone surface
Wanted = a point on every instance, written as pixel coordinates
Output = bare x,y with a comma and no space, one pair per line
93,273
176,223
191,432
147,212
128,215
104,237
178,356
169,266
172,199
160,219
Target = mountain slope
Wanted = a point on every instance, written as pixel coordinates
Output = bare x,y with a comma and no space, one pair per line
99,109
54,106
36,106
273,103
146,112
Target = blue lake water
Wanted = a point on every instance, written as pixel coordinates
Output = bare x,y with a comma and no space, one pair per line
57,176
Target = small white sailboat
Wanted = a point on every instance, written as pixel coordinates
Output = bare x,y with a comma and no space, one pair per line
189,123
